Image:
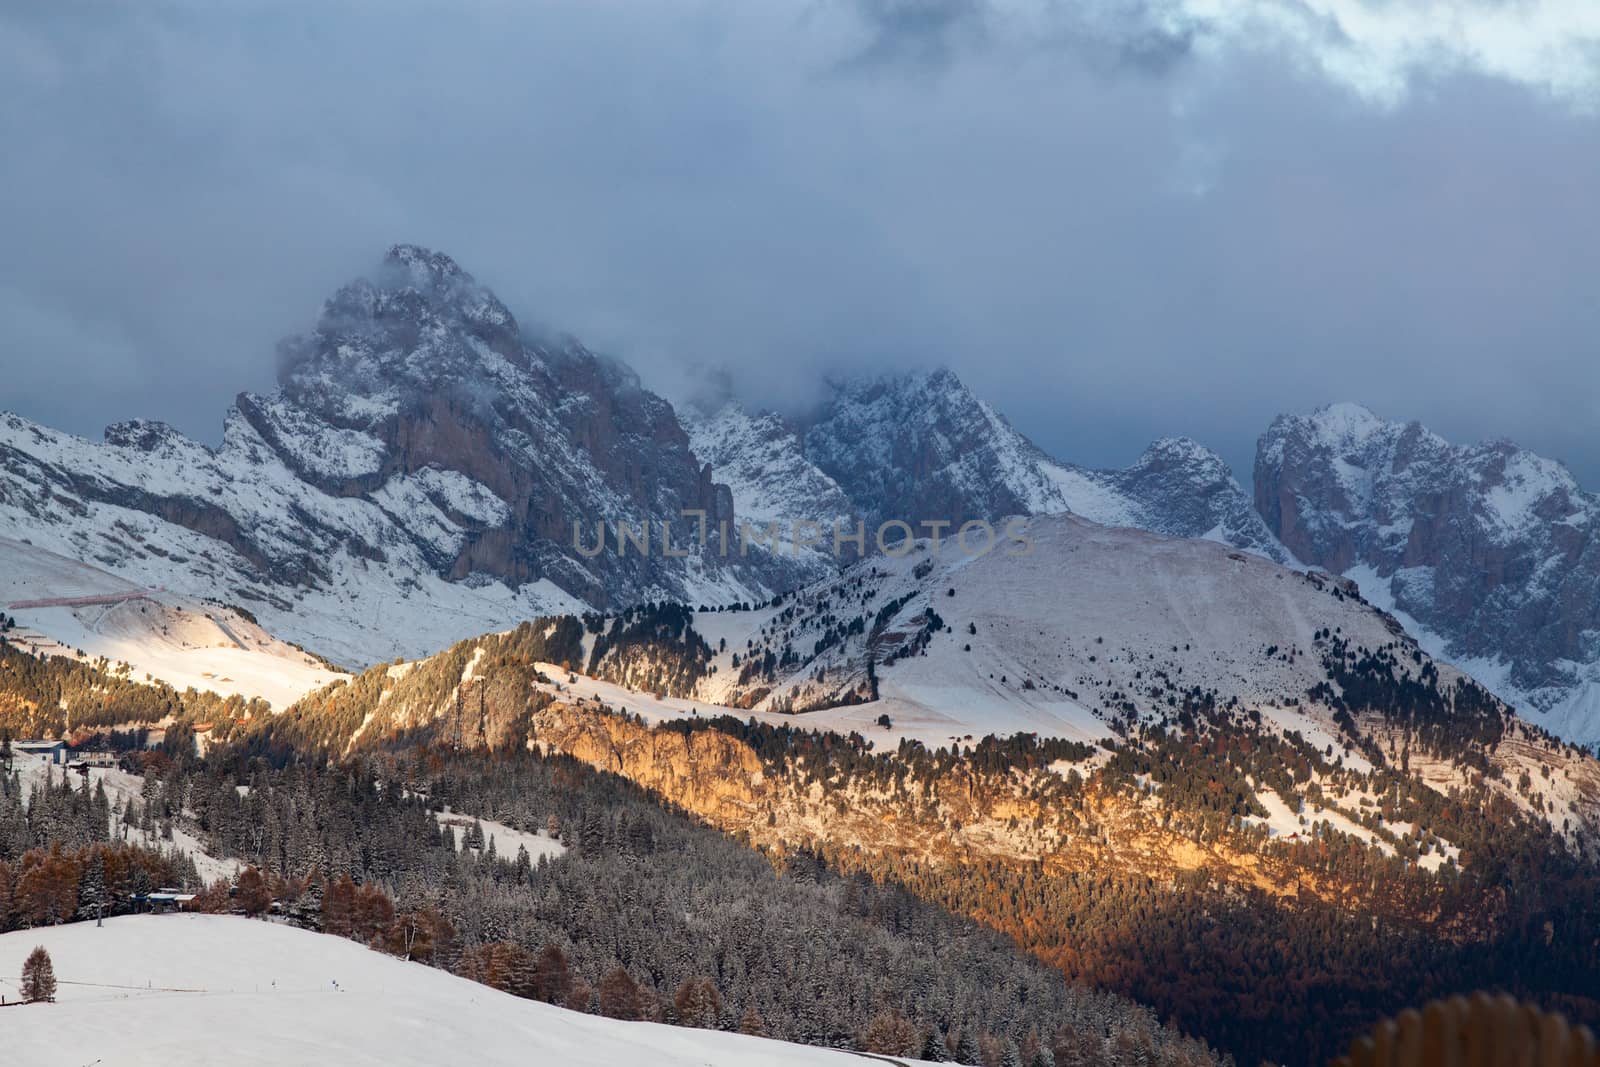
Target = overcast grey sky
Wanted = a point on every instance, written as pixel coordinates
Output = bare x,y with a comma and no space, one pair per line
1115,218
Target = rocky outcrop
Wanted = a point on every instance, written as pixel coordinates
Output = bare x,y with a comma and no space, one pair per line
1179,488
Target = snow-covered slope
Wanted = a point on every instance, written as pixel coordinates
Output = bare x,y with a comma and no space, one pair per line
1056,630
1491,552
761,459
177,639
164,989
1052,632
336,574
1078,631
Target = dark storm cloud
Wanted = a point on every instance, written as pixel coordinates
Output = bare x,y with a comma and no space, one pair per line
925,33
1116,219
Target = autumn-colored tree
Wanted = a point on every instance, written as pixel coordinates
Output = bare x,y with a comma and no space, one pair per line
552,975
503,965
214,899
38,977
698,1003
581,996
47,892
421,935
251,892
621,997
338,907
372,913
892,1034
752,1023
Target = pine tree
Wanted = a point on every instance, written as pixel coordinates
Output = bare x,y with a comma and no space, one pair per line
92,888
38,977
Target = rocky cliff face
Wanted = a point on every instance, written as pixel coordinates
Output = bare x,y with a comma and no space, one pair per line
1491,549
425,370
1179,488
922,447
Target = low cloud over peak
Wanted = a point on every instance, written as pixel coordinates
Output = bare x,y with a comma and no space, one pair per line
1116,219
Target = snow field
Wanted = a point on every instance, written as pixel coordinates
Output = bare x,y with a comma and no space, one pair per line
157,990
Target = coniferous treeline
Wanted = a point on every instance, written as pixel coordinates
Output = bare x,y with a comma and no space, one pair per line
61,860
50,696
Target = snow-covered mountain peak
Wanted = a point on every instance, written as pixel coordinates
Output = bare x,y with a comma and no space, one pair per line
1348,430
920,446
424,269
419,325
1186,455
1347,421
418,447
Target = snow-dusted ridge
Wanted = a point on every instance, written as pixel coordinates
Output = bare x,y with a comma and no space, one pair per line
1039,633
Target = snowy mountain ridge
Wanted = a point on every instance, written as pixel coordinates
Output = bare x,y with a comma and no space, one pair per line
426,466
922,447
427,469
1491,553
